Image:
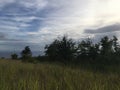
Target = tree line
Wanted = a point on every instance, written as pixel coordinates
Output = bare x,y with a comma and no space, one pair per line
66,50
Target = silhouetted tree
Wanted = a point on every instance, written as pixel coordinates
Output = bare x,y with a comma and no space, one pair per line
51,50
26,53
116,45
94,51
61,49
85,49
106,46
14,56
107,51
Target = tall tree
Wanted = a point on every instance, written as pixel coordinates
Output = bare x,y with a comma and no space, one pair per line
61,49
84,48
94,51
106,46
26,53
116,46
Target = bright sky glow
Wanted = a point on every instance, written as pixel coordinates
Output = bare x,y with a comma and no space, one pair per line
38,22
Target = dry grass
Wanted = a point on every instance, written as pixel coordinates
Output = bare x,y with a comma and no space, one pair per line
15,75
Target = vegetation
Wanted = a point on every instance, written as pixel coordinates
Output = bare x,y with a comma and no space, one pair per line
65,50
66,65
61,49
15,75
26,54
107,51
14,56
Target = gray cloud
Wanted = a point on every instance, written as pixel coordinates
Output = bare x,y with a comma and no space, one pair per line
37,22
2,36
105,29
5,37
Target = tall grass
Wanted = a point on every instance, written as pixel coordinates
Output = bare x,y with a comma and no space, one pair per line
15,75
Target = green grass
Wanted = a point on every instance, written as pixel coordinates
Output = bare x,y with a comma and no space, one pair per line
15,75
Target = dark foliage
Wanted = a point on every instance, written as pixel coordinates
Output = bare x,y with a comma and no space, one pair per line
86,49
62,49
107,51
14,56
66,51
26,54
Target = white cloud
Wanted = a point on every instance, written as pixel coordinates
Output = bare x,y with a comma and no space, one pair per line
38,4
61,17
25,18
75,16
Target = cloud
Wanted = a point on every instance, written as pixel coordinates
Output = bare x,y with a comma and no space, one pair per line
38,4
27,3
105,29
5,2
39,22
2,36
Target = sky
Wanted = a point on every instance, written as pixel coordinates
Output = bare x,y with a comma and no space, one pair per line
36,23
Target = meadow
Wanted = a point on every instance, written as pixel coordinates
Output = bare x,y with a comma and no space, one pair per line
16,75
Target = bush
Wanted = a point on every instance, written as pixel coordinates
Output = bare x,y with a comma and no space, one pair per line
14,56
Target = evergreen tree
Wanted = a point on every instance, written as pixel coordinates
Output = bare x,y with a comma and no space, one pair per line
84,48
61,49
26,53
106,46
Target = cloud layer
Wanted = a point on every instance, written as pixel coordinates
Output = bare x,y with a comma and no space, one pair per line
105,29
38,22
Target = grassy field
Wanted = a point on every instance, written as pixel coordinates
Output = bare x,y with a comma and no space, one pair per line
15,75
